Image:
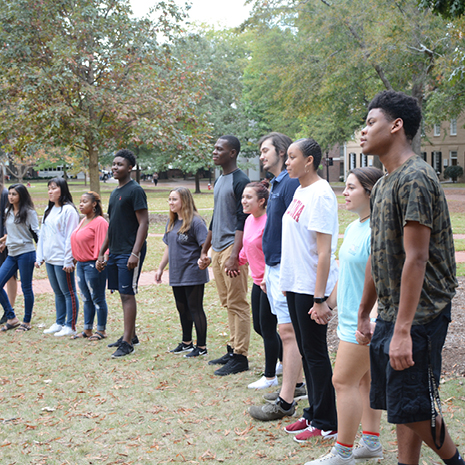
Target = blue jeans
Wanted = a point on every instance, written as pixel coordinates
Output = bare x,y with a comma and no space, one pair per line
92,284
25,264
66,301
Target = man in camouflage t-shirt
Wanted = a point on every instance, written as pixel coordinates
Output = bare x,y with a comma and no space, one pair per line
413,275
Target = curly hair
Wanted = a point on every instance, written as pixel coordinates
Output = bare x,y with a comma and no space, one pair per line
128,155
399,105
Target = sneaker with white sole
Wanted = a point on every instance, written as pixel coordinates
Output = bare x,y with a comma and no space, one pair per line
123,350
298,426
312,432
182,348
134,342
299,393
197,352
363,452
53,329
264,383
270,412
279,368
333,458
65,331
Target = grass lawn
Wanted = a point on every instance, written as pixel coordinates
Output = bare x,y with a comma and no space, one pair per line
67,402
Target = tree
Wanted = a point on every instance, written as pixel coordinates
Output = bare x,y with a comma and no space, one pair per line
86,76
453,172
448,9
340,53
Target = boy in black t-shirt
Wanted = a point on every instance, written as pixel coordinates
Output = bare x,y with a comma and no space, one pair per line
126,237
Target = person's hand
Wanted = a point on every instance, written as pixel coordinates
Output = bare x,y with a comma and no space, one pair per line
100,263
2,246
400,352
37,264
320,313
204,261
68,269
132,261
158,275
263,286
231,267
364,331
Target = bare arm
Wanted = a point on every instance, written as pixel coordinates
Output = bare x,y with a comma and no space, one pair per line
163,263
369,296
100,264
204,260
321,312
143,219
232,263
416,246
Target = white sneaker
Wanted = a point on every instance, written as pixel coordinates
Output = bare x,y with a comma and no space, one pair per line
65,331
363,452
333,458
279,368
263,383
53,329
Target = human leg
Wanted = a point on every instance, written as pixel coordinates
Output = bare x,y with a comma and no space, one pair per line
67,285
60,301
7,270
194,296
96,282
12,290
25,263
182,305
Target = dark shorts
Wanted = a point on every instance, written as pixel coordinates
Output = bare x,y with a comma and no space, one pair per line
405,394
120,278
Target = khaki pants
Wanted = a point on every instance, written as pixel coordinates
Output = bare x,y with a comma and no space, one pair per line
233,295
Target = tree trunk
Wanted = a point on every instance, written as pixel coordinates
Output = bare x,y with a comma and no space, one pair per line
417,92
93,169
138,173
197,182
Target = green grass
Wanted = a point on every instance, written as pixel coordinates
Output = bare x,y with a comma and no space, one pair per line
68,402
458,223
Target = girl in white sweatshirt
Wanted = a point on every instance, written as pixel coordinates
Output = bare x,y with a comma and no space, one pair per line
54,248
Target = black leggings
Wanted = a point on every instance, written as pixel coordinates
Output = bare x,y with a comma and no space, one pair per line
311,339
264,324
189,302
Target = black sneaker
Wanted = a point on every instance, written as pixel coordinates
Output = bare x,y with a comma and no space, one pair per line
183,348
236,364
197,352
135,342
4,319
123,350
224,359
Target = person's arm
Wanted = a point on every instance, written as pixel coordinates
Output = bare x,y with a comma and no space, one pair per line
416,246
321,312
231,265
204,259
163,263
369,297
100,263
71,218
100,234
143,219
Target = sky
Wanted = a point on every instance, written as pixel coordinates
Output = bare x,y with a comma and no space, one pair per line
222,13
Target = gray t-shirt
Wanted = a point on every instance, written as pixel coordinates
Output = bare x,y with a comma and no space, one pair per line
184,252
228,216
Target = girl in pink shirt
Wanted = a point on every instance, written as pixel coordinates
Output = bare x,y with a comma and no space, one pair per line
254,200
86,241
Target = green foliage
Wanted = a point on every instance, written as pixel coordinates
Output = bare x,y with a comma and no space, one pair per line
448,9
453,172
89,77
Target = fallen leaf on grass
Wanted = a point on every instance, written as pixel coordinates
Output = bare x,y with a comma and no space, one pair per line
48,409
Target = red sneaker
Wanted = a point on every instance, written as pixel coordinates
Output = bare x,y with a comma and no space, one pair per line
297,427
312,432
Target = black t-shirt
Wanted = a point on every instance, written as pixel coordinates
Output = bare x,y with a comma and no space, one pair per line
124,202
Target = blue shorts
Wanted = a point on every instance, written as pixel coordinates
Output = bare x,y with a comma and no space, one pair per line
120,278
405,394
277,300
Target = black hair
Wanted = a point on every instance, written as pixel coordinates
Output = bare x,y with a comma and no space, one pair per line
233,143
261,188
310,147
94,197
367,176
280,142
65,196
25,203
399,105
128,155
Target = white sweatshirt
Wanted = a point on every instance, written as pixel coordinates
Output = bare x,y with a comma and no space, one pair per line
54,246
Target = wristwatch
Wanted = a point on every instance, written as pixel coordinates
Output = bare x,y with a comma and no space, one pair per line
319,300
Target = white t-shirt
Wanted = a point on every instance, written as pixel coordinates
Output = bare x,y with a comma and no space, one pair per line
313,209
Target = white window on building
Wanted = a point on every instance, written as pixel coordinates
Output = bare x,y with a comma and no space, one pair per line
453,127
437,130
363,160
424,155
437,162
352,161
453,158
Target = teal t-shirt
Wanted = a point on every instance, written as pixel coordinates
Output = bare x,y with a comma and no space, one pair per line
353,257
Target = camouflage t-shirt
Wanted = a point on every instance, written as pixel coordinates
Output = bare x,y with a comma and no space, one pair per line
411,193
